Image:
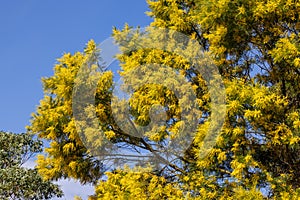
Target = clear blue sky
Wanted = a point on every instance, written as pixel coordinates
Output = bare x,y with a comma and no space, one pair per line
34,33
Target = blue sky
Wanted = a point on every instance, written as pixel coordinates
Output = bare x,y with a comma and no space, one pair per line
34,33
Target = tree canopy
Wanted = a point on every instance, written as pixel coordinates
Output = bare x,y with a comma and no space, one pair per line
18,182
254,46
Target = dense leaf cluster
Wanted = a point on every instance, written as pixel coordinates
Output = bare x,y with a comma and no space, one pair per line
17,181
255,46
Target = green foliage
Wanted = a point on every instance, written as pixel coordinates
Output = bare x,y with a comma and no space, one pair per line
18,182
254,44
